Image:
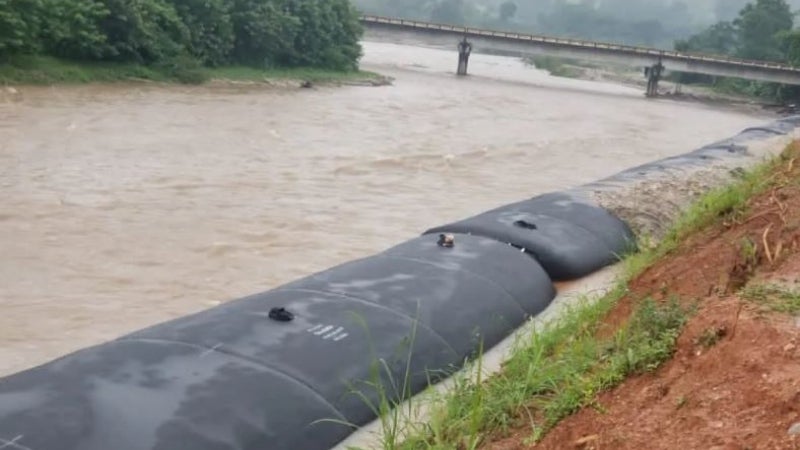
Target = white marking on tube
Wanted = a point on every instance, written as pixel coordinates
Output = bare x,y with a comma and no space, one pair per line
207,352
13,443
324,330
333,333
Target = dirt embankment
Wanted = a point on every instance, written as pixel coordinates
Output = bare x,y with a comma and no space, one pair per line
734,381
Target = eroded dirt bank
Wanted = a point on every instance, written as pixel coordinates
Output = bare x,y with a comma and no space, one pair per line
734,380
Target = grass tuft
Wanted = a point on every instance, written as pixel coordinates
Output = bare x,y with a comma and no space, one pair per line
774,297
711,337
36,70
240,73
47,70
558,371
727,204
557,67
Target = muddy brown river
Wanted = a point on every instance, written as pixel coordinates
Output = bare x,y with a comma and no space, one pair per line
127,205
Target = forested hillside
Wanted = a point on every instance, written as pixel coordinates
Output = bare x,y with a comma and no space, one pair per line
184,33
763,30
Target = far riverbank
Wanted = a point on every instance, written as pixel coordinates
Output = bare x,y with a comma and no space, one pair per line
628,76
41,70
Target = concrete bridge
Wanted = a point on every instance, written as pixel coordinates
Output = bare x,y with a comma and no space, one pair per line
465,40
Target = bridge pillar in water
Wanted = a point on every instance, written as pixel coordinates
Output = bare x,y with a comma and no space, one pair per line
464,49
653,75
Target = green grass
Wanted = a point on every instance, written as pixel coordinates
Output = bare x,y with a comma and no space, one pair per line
382,392
560,370
726,204
37,70
558,67
569,68
47,70
774,297
561,367
240,73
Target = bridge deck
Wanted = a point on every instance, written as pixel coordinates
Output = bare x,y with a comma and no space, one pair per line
583,44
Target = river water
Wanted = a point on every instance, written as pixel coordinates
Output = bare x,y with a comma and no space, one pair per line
127,205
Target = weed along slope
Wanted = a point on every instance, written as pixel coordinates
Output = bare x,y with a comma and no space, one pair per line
734,377
695,347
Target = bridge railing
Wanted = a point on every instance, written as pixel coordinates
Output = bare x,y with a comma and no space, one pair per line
580,43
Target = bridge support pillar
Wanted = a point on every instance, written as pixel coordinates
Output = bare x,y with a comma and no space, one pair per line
464,49
653,75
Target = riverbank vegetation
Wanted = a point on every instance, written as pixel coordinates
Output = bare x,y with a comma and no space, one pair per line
183,40
717,250
559,67
45,70
763,30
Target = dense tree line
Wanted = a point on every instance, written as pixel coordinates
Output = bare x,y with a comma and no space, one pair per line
763,30
760,31
271,33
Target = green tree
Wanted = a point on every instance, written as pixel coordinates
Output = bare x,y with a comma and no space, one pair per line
720,38
71,29
145,31
19,26
328,35
179,35
727,10
791,45
760,26
320,33
345,48
264,32
210,28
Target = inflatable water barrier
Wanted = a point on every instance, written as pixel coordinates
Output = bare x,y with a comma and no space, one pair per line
648,197
285,369
301,366
568,235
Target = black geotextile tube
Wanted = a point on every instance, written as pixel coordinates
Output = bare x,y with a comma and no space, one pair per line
569,236
706,156
283,370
